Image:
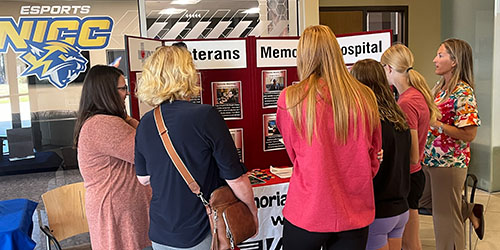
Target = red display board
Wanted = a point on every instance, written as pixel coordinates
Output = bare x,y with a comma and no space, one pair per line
250,94
250,72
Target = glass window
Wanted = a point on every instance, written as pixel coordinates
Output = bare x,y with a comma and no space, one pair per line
24,111
386,21
5,120
5,115
3,78
22,81
195,19
370,18
4,85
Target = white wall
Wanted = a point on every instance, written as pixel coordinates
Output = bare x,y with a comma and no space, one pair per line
308,14
495,106
474,22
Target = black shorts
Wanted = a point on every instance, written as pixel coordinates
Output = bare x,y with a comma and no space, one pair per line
417,184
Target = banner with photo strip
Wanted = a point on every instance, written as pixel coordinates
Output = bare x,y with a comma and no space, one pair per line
270,200
237,134
273,82
272,136
226,97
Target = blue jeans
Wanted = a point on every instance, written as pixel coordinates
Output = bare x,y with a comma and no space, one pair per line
204,245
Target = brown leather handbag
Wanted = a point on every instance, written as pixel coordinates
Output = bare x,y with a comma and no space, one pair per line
231,221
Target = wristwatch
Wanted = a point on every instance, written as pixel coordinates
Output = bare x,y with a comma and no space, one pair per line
440,128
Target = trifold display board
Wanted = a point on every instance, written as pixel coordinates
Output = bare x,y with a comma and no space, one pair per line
243,79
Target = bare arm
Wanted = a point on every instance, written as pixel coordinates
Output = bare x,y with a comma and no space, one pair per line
466,134
144,180
414,153
243,190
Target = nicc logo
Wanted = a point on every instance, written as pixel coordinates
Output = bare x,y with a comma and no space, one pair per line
51,46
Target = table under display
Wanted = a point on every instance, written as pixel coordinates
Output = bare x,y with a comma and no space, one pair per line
270,199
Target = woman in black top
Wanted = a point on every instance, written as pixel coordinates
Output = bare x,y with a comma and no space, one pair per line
392,182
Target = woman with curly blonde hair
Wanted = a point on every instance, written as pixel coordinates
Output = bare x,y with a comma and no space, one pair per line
203,142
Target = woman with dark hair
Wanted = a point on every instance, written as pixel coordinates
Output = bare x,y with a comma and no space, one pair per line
392,183
116,203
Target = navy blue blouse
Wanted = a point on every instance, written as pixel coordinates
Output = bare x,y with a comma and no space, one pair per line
202,140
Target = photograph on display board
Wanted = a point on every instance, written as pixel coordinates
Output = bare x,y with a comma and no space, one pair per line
226,97
272,136
273,82
237,134
198,99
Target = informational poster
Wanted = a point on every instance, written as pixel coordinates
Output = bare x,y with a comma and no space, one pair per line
217,54
139,49
276,52
237,134
369,45
226,97
273,82
272,136
198,99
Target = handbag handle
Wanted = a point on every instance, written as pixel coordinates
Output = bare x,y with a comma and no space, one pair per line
172,153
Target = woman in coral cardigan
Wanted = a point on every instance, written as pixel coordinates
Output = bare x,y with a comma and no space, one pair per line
116,203
331,130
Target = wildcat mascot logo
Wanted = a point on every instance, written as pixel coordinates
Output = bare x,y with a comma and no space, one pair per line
51,46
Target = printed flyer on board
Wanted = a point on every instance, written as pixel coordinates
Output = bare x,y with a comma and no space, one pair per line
226,97
272,136
273,82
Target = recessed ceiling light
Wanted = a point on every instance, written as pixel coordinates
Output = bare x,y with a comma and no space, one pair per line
252,11
172,11
183,2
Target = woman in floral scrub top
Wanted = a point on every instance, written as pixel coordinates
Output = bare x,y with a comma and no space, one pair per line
447,152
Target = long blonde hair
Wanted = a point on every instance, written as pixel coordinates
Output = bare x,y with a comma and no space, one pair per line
400,58
169,74
461,53
372,74
320,66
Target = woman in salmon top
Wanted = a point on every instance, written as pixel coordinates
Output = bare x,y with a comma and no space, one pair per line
331,130
116,203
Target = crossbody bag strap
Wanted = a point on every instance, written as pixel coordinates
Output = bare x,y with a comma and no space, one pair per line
178,163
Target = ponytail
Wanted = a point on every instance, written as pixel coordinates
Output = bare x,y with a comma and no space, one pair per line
418,81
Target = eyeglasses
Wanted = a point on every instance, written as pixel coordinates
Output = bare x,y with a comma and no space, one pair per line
124,88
